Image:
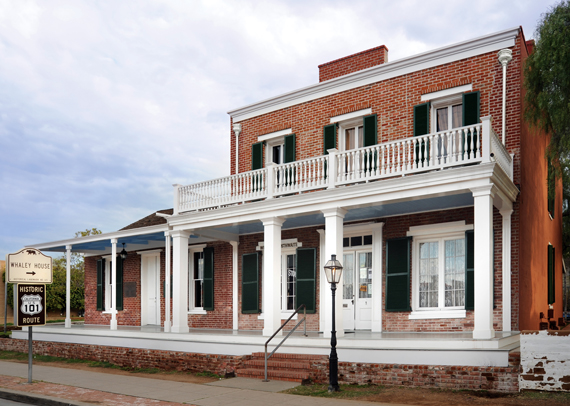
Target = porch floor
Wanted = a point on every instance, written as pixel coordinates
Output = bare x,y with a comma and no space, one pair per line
450,348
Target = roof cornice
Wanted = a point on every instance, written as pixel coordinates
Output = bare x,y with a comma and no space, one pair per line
451,53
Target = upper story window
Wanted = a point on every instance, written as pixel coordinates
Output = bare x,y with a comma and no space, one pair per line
277,147
355,130
447,114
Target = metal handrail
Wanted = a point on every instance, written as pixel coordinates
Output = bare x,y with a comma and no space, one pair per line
304,319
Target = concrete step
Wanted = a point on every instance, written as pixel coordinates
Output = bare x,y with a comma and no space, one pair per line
278,365
292,376
281,366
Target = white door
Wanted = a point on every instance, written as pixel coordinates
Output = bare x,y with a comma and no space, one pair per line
152,290
357,292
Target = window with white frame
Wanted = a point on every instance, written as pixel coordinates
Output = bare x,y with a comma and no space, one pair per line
196,279
447,113
439,270
274,151
351,134
288,280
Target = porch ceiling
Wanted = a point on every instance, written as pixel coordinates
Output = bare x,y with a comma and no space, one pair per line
363,213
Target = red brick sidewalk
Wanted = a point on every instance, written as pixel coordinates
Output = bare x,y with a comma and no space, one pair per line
77,394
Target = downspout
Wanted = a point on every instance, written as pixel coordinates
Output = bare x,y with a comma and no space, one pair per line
505,56
68,287
237,131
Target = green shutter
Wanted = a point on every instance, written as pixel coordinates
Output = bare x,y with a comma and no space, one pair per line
398,274
370,137
469,270
250,283
306,286
119,283
100,279
329,137
257,156
208,287
551,275
289,146
421,119
471,108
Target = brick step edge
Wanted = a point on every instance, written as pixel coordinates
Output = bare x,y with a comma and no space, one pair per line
304,357
260,363
276,375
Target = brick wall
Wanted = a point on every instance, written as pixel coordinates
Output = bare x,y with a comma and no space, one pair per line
353,63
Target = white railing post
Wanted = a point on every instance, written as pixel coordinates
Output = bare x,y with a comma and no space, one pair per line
332,168
486,138
176,205
270,182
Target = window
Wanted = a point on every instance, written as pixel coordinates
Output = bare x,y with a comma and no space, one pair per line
352,137
447,113
356,130
278,147
200,279
288,281
439,270
104,291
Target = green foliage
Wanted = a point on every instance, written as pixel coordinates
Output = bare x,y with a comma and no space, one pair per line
547,82
10,292
55,293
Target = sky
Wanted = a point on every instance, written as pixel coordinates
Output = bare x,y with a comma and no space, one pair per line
105,104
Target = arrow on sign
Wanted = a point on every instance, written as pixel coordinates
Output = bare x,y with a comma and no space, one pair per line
30,273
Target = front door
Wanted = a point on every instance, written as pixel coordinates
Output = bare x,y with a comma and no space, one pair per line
357,290
152,289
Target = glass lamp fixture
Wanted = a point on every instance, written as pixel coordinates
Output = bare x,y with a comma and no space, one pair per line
333,270
123,253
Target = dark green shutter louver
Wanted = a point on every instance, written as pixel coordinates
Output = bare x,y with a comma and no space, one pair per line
100,275
551,275
208,286
370,137
471,108
469,270
289,146
398,274
119,294
551,189
257,156
306,278
329,137
250,283
421,119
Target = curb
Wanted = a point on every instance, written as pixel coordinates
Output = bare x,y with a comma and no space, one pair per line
40,400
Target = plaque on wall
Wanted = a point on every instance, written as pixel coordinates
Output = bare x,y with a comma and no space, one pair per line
130,289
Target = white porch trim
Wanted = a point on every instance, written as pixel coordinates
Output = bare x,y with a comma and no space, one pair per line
506,216
68,286
113,284
180,275
272,275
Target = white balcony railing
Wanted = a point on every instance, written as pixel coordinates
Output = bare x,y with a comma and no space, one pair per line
460,146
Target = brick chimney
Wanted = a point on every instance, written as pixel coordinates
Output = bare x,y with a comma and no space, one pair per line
353,63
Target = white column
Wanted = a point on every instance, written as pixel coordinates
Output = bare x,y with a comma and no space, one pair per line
68,288
180,281
271,274
167,322
324,287
483,278
235,285
506,215
333,245
113,284
377,261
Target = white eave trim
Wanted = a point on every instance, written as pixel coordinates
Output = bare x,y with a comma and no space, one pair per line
447,92
467,49
350,116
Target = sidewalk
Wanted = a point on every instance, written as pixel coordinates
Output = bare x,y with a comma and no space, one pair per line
62,386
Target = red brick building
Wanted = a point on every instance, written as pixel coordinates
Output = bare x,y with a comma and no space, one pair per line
419,174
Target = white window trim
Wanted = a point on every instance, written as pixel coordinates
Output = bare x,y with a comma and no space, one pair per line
191,250
276,134
351,116
347,125
426,233
447,92
107,278
273,143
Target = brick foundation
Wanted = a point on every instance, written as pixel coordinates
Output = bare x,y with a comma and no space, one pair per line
504,379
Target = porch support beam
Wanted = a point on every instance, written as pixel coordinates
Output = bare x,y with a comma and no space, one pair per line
506,216
180,282
113,283
333,246
271,274
483,279
167,242
68,287
235,286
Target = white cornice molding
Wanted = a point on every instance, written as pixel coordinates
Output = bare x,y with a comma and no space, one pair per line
467,49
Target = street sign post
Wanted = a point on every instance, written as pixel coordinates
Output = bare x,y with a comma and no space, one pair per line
30,269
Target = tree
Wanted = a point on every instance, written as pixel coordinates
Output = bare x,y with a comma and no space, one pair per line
547,98
547,82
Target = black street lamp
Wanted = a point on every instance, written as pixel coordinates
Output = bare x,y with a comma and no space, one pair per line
333,271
